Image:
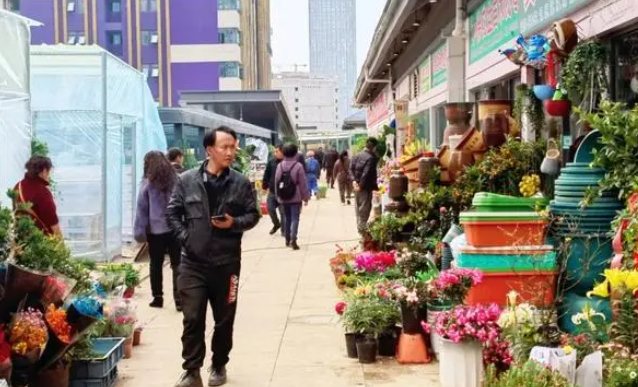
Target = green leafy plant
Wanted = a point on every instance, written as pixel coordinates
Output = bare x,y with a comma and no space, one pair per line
386,229
619,138
130,274
528,374
621,373
526,103
370,315
584,76
623,329
6,218
39,148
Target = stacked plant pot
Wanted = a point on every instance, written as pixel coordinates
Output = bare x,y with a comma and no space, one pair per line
585,228
506,241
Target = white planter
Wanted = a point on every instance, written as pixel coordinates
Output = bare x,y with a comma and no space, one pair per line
460,365
435,339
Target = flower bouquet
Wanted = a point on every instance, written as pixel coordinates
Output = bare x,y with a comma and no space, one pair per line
121,318
83,312
28,334
56,289
453,285
61,336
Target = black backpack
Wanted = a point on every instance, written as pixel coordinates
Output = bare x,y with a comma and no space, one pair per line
286,187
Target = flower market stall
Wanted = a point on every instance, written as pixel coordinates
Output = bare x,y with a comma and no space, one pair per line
511,262
54,310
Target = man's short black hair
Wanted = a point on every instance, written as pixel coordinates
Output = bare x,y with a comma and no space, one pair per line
211,136
290,150
372,143
173,154
37,165
279,146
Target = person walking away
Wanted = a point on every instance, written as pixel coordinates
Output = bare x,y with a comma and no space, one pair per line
269,184
313,169
34,190
364,172
151,225
319,155
292,190
210,209
329,161
343,177
176,158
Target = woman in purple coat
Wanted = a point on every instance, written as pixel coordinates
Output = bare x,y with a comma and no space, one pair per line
151,225
291,167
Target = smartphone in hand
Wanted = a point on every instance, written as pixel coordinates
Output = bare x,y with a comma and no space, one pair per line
218,217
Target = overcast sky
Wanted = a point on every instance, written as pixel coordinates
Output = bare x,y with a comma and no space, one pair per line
289,20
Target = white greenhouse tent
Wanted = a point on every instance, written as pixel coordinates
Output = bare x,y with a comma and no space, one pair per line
15,113
98,118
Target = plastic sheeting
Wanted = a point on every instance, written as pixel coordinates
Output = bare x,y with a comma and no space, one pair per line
15,117
99,119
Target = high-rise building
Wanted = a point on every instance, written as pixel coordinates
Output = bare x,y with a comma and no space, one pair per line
256,44
193,45
333,47
312,100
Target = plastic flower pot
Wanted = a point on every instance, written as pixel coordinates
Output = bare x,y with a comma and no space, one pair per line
559,108
461,364
367,349
544,92
388,343
128,348
351,345
410,319
137,337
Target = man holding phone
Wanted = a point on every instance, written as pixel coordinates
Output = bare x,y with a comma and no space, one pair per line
209,211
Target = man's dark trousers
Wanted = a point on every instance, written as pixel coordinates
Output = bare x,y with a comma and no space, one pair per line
273,208
219,286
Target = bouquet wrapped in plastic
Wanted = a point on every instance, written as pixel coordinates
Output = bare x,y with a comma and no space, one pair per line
56,289
56,320
28,334
121,317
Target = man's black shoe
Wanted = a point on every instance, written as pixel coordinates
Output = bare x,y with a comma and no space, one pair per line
218,377
158,302
294,245
190,378
274,230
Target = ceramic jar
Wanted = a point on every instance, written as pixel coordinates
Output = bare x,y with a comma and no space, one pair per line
426,168
458,116
398,185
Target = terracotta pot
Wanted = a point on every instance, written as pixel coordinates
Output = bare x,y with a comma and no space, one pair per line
459,112
444,156
128,348
495,129
398,185
137,337
426,169
458,161
489,107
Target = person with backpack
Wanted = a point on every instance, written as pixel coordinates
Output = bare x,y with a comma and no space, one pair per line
292,191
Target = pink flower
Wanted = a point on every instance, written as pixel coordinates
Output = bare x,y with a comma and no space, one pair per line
411,297
340,308
443,210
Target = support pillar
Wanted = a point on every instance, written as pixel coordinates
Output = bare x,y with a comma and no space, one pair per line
456,69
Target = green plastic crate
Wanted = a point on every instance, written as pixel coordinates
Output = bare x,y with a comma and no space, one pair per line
505,263
488,202
478,216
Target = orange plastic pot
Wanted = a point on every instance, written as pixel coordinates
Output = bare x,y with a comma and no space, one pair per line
494,234
535,287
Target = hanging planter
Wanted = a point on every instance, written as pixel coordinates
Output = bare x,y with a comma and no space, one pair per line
558,108
461,364
367,349
544,92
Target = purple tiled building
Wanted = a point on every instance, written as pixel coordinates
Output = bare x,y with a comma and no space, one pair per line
175,43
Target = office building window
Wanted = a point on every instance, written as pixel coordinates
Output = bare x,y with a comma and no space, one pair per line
229,36
114,38
149,37
150,70
148,5
146,70
72,38
13,6
230,70
154,71
81,38
115,6
229,5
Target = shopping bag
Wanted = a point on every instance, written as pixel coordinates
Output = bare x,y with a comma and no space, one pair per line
590,371
557,359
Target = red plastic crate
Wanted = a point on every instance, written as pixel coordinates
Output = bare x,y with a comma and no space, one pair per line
497,234
535,287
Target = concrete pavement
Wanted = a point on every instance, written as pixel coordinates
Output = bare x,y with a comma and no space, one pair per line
286,331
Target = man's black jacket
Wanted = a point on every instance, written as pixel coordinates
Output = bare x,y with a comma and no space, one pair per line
269,174
364,169
188,215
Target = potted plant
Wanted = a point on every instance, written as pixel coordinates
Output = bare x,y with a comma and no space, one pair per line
369,317
527,374
412,296
351,337
121,321
128,274
584,76
452,285
463,332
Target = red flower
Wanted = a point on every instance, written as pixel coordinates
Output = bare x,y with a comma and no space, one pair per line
340,308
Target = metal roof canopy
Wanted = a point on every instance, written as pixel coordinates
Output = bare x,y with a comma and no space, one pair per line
265,108
207,119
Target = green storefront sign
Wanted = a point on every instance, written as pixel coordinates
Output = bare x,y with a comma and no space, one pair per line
424,76
494,23
497,22
439,65
538,14
422,124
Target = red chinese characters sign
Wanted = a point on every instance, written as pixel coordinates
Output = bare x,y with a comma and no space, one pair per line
379,110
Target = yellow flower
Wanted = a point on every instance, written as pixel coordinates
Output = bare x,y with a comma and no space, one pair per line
616,277
512,296
631,281
567,349
600,290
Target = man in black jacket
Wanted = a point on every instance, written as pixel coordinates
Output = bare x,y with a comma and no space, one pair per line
176,158
363,168
329,161
209,210
269,184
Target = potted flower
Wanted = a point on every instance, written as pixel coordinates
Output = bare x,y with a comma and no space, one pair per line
369,317
127,274
351,337
463,332
121,321
453,285
412,296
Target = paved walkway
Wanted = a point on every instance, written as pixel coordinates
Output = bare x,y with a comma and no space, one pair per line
286,332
